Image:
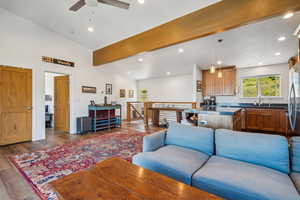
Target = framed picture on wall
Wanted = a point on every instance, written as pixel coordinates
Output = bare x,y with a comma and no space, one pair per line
87,89
108,88
122,93
130,93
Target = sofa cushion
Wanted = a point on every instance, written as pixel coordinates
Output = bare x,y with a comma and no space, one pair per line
296,179
154,141
295,154
176,162
261,149
236,180
197,138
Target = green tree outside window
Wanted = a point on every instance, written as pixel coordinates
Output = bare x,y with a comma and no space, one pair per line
265,86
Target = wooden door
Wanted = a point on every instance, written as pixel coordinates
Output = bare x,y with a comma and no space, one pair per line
15,105
229,81
61,103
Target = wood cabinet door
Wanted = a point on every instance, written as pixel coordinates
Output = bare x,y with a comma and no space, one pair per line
15,105
61,103
267,120
207,83
218,84
229,81
252,119
223,86
282,121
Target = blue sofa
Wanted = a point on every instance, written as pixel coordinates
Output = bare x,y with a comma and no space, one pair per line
295,154
233,165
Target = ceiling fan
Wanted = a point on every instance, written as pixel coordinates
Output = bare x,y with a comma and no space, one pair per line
93,3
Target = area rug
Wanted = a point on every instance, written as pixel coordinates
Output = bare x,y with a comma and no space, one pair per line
41,167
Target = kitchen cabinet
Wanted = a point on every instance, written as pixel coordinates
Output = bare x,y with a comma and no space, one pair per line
272,120
219,86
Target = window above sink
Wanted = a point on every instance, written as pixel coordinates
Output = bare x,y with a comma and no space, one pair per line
268,86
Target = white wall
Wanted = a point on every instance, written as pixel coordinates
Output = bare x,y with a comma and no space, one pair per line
23,43
172,88
281,69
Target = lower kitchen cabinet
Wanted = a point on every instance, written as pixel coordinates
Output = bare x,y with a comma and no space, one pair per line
272,120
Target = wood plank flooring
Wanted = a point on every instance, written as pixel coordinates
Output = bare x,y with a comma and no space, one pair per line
14,187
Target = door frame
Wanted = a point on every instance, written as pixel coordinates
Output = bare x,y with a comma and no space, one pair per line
70,97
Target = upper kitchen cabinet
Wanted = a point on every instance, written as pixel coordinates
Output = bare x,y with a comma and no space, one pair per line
220,83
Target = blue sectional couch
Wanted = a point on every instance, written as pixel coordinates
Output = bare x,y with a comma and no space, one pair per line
233,165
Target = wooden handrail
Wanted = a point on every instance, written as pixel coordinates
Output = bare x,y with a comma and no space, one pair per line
147,106
141,116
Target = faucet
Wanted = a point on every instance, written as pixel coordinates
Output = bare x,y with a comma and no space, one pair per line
260,100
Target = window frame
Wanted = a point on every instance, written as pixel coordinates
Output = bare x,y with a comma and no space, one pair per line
258,86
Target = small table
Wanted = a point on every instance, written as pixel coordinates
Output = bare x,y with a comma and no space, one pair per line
116,179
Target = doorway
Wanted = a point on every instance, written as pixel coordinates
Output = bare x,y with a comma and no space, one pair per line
57,102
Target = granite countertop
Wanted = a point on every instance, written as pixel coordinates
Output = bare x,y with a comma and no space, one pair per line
214,110
251,105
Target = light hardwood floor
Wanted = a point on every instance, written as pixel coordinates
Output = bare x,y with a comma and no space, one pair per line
14,187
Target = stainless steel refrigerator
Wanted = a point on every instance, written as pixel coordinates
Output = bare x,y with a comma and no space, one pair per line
294,100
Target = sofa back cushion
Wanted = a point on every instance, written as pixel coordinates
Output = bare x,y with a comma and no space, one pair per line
295,154
261,149
197,138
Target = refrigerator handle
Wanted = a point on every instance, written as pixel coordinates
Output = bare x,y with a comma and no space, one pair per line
290,106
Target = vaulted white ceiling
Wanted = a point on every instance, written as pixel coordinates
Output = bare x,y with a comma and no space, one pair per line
247,46
110,24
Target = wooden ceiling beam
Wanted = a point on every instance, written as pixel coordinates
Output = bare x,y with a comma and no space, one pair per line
218,17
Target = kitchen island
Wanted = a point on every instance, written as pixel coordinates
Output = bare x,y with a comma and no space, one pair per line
216,117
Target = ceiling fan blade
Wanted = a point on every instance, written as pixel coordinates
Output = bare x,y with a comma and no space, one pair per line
116,3
77,5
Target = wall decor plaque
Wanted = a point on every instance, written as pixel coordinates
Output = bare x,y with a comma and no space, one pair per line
58,61
87,89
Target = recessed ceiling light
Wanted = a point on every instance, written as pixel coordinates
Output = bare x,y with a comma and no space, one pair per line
141,59
281,38
260,63
141,1
180,50
90,29
288,15
219,62
277,54
168,73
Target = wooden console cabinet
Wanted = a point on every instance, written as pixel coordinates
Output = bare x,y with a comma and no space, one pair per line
273,120
215,86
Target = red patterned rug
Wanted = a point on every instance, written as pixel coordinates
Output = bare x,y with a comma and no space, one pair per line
41,167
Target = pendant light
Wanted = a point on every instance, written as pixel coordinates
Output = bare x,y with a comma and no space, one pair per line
220,74
212,69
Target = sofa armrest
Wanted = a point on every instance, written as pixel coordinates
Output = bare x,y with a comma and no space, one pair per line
154,141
